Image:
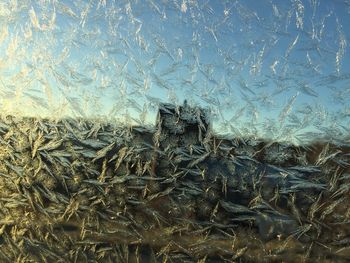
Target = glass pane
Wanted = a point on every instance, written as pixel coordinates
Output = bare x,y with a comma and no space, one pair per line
174,130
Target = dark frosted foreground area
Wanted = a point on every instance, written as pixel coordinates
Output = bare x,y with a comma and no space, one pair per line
76,190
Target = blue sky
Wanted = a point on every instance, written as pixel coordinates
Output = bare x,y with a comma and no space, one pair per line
268,68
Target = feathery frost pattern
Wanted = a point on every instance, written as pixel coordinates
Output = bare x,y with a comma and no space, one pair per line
174,131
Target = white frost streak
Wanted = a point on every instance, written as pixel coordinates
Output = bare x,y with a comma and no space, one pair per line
299,14
342,47
34,19
287,109
183,7
273,66
291,46
12,47
3,34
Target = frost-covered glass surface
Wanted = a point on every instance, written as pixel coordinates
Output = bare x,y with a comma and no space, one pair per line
272,68
125,166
